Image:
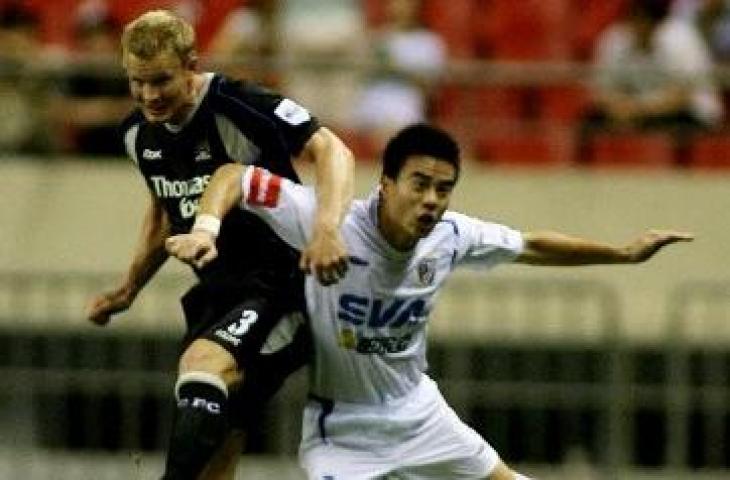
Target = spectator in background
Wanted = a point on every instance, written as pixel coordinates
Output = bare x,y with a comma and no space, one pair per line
93,92
712,18
653,71
248,35
318,37
409,57
22,87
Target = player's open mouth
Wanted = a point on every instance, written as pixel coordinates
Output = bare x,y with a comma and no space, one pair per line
426,221
156,109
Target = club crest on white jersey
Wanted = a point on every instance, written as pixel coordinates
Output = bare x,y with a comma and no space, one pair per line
426,271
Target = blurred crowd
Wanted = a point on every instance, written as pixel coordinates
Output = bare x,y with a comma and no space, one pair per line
368,67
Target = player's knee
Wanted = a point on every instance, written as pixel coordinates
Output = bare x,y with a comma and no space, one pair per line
206,356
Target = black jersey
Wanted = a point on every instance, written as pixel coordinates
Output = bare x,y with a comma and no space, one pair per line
234,122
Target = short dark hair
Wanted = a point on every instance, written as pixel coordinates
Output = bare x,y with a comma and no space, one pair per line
419,139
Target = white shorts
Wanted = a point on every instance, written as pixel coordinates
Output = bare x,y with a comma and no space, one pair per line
416,437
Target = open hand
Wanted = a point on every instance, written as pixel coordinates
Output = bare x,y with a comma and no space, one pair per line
325,256
100,308
644,247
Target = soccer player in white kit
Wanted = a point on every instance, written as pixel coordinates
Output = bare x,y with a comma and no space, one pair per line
374,412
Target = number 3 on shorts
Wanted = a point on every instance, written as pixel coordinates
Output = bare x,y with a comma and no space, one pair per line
248,318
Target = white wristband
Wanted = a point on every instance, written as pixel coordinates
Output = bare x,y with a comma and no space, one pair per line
208,223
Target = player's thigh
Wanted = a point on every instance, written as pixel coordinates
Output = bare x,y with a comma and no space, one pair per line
244,329
453,470
267,372
327,461
223,464
445,447
202,355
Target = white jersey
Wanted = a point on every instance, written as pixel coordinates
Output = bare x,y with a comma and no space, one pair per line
370,328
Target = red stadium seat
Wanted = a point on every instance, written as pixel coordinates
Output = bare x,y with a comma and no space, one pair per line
55,24
710,152
451,20
499,103
631,150
526,147
454,104
593,18
57,17
563,103
445,104
522,30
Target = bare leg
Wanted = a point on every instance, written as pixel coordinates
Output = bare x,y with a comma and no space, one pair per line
223,465
205,356
503,472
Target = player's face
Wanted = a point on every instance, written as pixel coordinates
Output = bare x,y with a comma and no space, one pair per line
416,200
162,86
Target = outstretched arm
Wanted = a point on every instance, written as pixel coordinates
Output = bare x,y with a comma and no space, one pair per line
326,255
149,255
557,249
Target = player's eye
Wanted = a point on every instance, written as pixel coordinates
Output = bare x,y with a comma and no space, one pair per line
420,184
444,188
160,81
420,181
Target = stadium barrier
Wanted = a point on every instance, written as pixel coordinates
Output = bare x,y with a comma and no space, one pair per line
545,375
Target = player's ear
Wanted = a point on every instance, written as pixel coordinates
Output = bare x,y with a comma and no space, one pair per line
384,182
386,186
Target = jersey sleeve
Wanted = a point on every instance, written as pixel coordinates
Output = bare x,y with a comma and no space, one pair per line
294,123
287,207
484,244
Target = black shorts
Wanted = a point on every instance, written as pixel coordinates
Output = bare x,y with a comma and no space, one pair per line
265,376
240,320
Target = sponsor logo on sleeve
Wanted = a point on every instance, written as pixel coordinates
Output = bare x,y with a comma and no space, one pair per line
291,112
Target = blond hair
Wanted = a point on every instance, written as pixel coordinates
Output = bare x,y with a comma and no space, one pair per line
158,31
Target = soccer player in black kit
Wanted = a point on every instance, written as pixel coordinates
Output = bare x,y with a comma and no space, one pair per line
187,124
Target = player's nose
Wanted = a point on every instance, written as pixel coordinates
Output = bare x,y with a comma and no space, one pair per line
430,198
150,93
